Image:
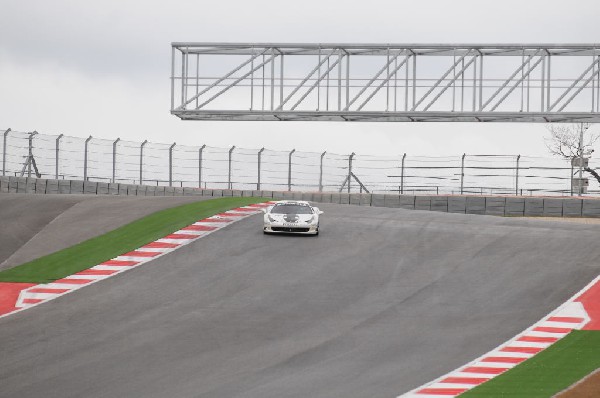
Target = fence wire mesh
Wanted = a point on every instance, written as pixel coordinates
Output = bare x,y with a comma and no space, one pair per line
164,164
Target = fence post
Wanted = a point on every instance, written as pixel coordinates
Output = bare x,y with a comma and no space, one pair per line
571,161
321,172
200,153
4,153
290,170
142,161
57,157
114,165
229,183
350,158
462,173
171,164
259,161
85,158
30,156
402,175
517,177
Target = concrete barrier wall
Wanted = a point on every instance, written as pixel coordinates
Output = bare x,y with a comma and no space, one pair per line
490,205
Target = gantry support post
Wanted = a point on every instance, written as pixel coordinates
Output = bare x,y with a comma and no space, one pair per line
462,173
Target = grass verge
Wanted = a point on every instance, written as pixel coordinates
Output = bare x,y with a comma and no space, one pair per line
549,372
122,240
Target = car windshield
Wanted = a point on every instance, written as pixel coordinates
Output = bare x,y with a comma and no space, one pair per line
291,209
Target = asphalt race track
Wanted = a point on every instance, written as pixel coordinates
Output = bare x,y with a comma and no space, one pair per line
381,302
36,225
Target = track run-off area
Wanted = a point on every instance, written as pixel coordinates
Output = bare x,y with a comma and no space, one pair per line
382,302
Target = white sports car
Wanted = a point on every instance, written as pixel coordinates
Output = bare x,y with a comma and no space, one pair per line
292,216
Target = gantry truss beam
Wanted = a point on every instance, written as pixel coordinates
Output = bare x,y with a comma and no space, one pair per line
546,83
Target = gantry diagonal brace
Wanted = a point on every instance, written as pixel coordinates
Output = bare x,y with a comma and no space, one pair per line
594,63
387,64
507,81
516,84
299,86
323,76
441,79
237,68
458,75
262,64
384,82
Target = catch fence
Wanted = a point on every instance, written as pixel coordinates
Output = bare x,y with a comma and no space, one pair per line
160,164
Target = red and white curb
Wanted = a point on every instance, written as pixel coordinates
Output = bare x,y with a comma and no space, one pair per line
16,297
581,312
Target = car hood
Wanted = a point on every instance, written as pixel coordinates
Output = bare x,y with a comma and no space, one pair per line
292,217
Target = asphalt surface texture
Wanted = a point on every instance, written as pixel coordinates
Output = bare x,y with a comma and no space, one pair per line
37,225
381,302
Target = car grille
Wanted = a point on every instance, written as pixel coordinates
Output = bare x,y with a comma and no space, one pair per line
288,229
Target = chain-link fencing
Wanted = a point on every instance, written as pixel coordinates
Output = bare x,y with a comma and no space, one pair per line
163,164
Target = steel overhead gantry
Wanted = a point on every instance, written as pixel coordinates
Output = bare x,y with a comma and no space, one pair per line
546,83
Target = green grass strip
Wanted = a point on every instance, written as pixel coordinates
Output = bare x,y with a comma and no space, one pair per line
549,372
122,240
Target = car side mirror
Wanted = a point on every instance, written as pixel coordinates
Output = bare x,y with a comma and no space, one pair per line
264,210
320,212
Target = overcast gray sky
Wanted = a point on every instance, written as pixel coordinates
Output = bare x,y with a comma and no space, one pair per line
102,67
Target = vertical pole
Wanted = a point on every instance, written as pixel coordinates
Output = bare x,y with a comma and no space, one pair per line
319,82
290,170
549,80
57,156
229,183
581,129
407,66
347,79
281,80
572,176
30,156
259,161
171,164
517,177
142,161
543,83
4,152
172,78
340,56
414,81
321,172
387,94
114,165
462,173
480,80
272,79
200,153
85,158
198,76
251,82
402,175
350,158
474,84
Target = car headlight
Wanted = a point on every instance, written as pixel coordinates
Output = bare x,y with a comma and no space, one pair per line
310,220
270,218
